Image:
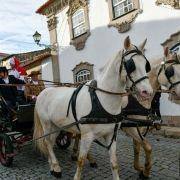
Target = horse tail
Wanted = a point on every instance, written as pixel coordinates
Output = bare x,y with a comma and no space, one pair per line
40,144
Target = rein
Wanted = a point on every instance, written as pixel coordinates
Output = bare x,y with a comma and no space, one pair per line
77,84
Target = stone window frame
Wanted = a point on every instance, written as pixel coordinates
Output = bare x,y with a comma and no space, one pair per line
123,22
79,41
81,67
173,3
172,40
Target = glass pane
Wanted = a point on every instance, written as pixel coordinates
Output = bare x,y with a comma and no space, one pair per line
83,75
122,7
78,18
79,30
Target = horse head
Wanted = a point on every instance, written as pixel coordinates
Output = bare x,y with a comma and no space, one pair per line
134,69
169,72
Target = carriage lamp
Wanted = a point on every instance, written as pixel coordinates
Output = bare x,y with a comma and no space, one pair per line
37,39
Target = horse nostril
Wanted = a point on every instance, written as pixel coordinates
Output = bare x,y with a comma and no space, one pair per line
145,92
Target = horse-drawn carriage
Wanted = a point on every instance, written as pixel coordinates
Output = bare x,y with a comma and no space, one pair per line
99,122
16,129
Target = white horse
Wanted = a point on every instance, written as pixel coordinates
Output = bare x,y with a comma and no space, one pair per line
137,140
157,78
52,104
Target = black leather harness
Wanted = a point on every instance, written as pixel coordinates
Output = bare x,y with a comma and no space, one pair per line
97,114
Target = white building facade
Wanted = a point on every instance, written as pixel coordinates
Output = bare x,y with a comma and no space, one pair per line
90,32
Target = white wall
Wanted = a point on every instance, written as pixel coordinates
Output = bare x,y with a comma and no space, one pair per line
156,23
47,73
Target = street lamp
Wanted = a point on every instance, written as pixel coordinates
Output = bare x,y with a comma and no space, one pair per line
37,38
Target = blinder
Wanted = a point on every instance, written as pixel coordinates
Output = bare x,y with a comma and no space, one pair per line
169,72
130,65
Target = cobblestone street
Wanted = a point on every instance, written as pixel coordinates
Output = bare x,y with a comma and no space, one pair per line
29,165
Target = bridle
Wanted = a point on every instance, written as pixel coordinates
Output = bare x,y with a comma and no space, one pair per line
130,66
169,72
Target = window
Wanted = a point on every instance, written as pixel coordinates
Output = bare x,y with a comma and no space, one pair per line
78,19
83,76
121,7
83,72
122,13
78,23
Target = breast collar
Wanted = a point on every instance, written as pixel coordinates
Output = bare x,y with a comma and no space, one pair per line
97,110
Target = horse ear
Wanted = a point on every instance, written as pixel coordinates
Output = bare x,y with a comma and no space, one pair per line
127,43
166,51
142,45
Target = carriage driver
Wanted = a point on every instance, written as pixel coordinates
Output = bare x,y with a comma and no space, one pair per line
9,93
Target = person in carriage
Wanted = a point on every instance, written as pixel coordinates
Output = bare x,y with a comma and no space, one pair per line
20,73
7,90
34,87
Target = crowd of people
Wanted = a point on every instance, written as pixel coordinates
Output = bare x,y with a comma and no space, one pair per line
16,86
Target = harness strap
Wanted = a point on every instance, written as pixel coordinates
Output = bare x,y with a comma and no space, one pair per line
72,102
139,80
114,137
174,84
140,135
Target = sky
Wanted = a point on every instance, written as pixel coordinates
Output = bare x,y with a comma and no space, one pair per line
18,22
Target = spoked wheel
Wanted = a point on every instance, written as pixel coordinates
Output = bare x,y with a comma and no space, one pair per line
63,140
6,150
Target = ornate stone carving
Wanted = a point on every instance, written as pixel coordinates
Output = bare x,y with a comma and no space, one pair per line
52,23
123,27
55,7
172,40
74,5
123,23
79,42
174,3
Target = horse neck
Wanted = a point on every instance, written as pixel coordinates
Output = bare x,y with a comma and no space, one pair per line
154,79
109,80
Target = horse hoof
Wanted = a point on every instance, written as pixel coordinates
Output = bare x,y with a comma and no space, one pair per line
94,165
56,174
74,158
142,176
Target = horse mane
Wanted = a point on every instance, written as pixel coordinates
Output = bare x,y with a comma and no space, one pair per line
104,68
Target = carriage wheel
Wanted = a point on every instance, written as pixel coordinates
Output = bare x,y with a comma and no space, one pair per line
63,140
6,150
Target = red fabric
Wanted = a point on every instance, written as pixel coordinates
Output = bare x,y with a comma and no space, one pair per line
21,70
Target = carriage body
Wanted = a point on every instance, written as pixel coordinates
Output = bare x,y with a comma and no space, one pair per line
17,131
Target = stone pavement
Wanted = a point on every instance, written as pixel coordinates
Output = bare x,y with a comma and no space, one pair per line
166,162
168,131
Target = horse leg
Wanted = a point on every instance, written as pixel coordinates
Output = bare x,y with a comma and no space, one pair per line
137,149
85,143
148,163
50,141
74,155
147,148
113,157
